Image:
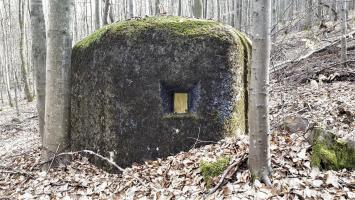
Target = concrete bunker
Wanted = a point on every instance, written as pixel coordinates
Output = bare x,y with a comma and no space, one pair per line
149,88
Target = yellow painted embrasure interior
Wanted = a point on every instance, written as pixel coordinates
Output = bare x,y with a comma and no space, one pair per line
180,102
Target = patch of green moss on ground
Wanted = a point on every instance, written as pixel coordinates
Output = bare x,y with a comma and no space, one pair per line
177,25
330,153
209,170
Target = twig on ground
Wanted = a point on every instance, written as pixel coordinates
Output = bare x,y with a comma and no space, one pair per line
56,151
95,154
16,172
235,165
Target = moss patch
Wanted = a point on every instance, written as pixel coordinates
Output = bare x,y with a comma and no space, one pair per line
209,170
331,153
130,29
237,122
91,39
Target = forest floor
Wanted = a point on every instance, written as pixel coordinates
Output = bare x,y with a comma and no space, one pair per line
328,100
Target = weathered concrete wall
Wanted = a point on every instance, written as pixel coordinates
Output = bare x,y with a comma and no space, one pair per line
123,77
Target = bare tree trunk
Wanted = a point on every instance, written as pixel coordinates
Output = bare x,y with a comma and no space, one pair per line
97,14
58,78
131,9
205,9
240,14
274,19
86,23
309,19
197,9
104,17
16,87
334,10
1,89
219,10
8,83
76,32
39,58
343,31
157,7
91,27
111,16
258,117
319,10
29,97
180,8
6,60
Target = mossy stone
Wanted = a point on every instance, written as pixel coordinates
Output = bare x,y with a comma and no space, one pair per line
329,152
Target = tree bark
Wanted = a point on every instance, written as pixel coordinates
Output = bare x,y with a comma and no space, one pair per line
97,14
205,8
258,118
111,15
180,8
343,31
29,97
5,52
157,7
104,17
131,9
309,19
39,58
58,78
197,9
219,10
15,88
76,32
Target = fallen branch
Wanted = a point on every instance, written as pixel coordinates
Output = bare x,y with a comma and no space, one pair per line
95,154
53,158
283,64
235,165
16,172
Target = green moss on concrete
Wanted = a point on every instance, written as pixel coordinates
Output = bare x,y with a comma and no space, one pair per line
178,25
209,170
130,29
328,152
91,39
236,123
